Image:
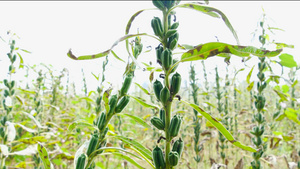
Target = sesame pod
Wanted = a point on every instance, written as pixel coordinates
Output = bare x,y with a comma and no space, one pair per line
6,83
6,93
173,158
158,158
178,146
92,145
164,95
14,58
166,58
12,92
122,104
98,100
157,87
169,21
112,105
126,85
162,115
170,39
174,69
81,161
175,25
101,121
12,84
173,44
159,4
159,49
158,26
154,27
158,123
175,125
175,83
170,33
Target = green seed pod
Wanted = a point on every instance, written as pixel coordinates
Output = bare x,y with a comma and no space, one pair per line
126,85
12,84
112,104
158,27
166,58
158,123
174,69
164,95
6,93
92,145
175,125
159,4
175,25
157,87
173,44
178,146
159,49
5,81
81,161
170,33
98,100
154,28
122,104
12,92
14,58
173,158
101,121
158,158
175,84
162,115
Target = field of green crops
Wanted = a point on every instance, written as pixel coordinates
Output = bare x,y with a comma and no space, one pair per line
208,120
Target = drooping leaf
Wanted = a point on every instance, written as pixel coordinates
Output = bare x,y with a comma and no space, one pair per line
33,140
11,131
143,89
283,96
105,98
283,45
115,149
137,119
221,128
249,75
44,156
129,159
105,53
287,60
30,150
117,57
146,152
87,99
81,124
4,149
292,115
207,50
143,103
250,87
26,128
211,12
21,65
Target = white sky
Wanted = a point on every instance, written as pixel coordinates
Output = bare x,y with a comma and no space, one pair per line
50,29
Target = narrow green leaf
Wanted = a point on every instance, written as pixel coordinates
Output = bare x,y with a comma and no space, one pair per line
129,159
115,149
207,50
249,75
137,119
81,124
44,156
293,85
105,98
144,103
21,65
238,90
96,77
146,152
33,140
250,87
283,45
221,128
211,12
143,89
87,99
287,60
117,57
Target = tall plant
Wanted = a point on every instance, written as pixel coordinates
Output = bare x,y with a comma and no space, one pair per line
165,32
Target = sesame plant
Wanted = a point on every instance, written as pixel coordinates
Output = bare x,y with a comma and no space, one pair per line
167,152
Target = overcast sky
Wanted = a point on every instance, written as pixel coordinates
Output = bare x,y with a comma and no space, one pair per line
49,29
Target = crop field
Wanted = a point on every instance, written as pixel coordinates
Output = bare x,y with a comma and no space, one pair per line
186,115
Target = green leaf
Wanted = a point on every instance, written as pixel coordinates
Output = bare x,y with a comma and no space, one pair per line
287,60
129,159
33,140
221,128
285,88
207,50
117,57
292,115
238,90
21,65
96,77
44,156
87,99
250,87
115,149
143,150
105,53
283,97
143,89
211,12
81,124
143,103
137,119
294,84
283,45
249,75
